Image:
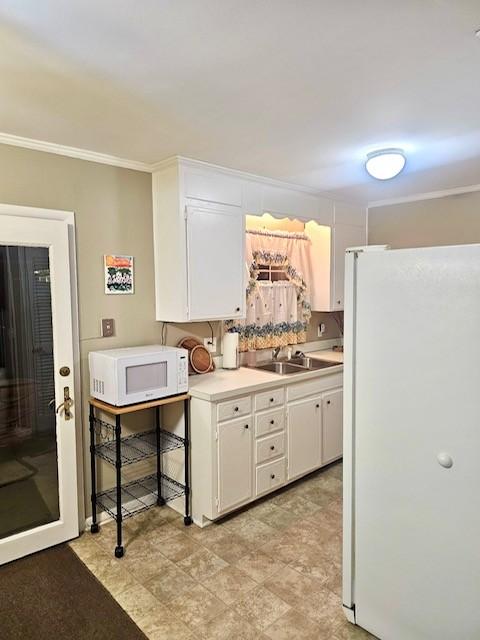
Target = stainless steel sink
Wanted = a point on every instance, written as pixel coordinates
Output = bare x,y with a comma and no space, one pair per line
312,363
283,368
295,365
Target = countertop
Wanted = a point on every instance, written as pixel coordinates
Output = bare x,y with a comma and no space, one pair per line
221,384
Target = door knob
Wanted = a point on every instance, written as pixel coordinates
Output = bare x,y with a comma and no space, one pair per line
445,460
66,404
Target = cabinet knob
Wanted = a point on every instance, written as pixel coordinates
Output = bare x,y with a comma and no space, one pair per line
237,309
338,301
272,476
317,406
272,448
235,408
272,399
328,401
272,421
246,426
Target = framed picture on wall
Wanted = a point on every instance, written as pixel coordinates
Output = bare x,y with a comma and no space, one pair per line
118,274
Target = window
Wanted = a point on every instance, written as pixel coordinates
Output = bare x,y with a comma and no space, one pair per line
269,273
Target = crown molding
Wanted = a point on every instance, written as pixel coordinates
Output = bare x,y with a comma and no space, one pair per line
73,152
424,196
244,175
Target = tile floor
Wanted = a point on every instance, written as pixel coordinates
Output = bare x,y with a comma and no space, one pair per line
271,571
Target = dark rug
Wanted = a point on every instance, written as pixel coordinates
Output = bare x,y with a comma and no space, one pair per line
52,595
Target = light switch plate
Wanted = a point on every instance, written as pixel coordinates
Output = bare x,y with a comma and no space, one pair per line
108,327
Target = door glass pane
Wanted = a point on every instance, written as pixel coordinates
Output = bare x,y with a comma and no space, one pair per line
28,448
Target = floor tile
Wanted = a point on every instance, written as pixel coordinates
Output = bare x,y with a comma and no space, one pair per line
169,583
112,574
229,584
138,602
294,588
228,626
162,625
311,562
285,547
295,504
261,608
230,547
294,626
202,564
145,568
177,547
275,517
259,566
196,606
254,532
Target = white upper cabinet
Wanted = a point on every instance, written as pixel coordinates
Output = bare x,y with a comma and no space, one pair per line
199,237
328,246
215,246
199,240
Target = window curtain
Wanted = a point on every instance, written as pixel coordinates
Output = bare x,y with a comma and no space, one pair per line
277,312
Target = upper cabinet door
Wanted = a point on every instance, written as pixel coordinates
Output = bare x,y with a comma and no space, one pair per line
345,236
215,262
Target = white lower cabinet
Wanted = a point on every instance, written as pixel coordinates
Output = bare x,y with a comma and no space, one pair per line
246,446
235,459
332,414
304,434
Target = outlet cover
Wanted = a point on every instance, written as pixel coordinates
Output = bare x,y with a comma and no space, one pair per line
210,344
108,327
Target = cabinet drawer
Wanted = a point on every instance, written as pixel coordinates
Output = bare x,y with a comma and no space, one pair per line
270,447
234,408
314,387
270,476
269,422
269,399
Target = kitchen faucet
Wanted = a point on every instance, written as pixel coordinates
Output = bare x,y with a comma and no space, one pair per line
275,352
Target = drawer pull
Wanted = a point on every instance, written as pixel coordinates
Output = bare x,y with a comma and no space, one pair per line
328,401
272,421
246,426
272,448
317,406
272,476
237,309
272,399
235,409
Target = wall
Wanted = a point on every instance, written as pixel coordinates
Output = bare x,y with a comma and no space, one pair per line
441,221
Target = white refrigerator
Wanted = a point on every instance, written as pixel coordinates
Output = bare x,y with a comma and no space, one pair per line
412,442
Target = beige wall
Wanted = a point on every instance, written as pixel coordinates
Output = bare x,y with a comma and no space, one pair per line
440,221
113,212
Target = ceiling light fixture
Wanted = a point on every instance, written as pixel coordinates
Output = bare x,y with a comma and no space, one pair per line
385,163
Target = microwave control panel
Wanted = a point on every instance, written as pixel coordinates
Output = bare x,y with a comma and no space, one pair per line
182,372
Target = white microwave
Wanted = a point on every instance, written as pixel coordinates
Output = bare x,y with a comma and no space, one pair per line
137,374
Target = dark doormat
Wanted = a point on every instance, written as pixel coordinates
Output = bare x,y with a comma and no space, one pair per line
52,595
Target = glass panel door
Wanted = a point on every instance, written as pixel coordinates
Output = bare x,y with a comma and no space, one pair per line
38,460
28,448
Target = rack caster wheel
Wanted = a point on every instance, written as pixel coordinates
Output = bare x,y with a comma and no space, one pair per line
161,502
94,528
118,552
187,521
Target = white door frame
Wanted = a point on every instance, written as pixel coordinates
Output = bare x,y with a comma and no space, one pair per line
69,218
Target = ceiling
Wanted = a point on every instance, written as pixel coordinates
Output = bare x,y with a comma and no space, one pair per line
295,90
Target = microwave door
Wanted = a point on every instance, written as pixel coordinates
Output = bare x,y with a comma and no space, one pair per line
140,379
